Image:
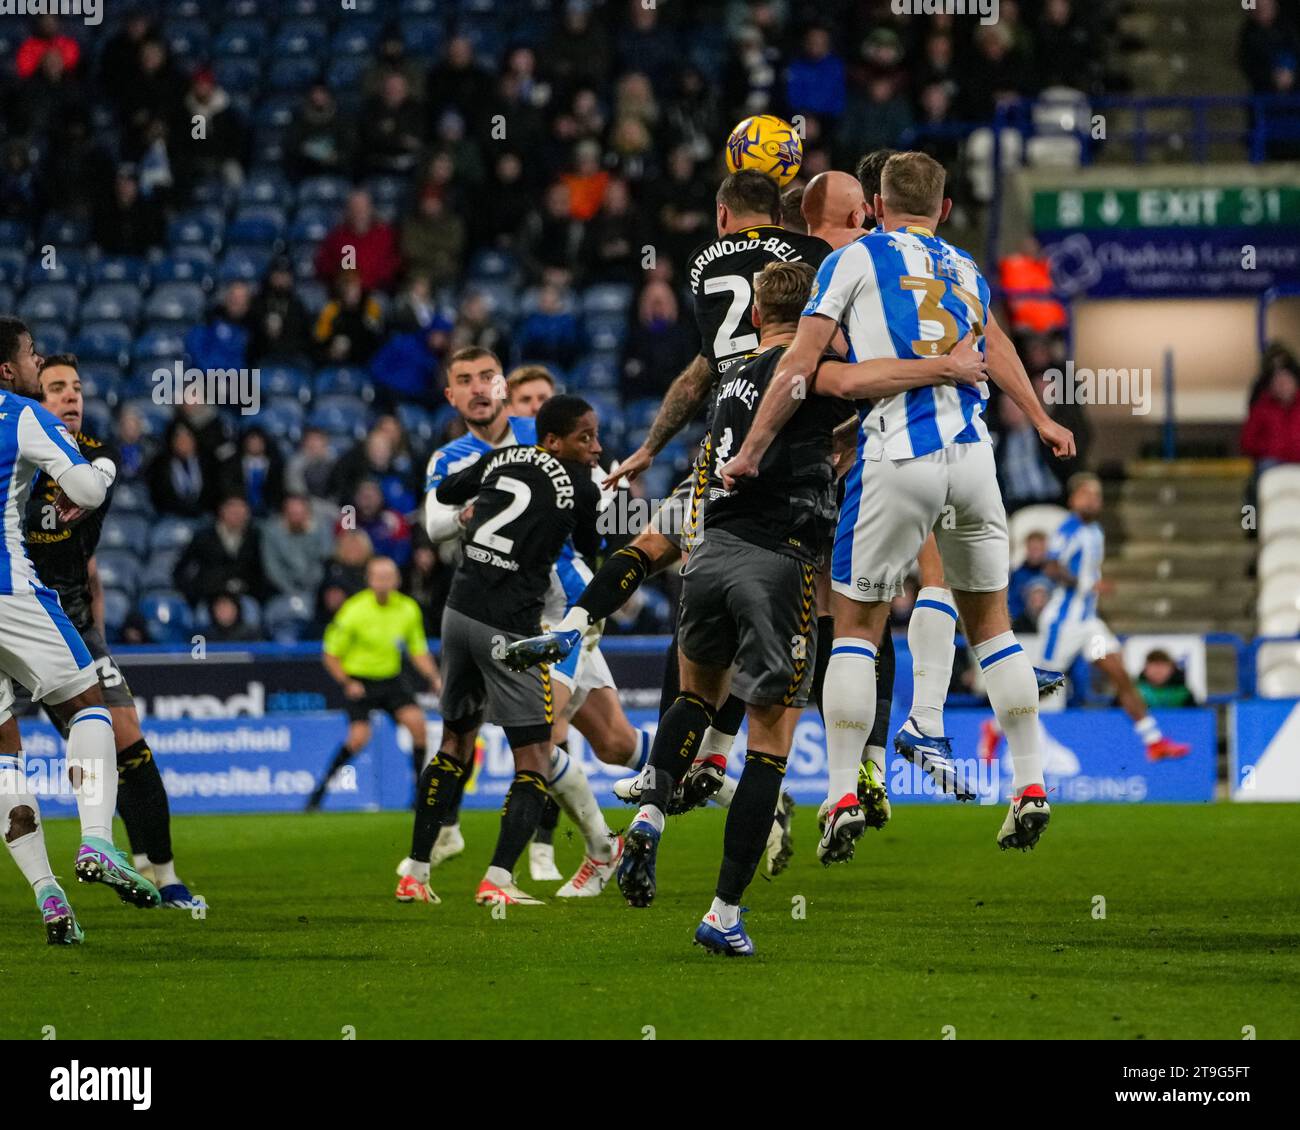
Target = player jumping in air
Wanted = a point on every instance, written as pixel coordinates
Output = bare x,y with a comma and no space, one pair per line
1069,626
41,649
64,557
904,293
528,501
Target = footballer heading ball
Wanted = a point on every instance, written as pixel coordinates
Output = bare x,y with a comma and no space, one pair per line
767,145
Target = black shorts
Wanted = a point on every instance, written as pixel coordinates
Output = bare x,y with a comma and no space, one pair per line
754,608
388,695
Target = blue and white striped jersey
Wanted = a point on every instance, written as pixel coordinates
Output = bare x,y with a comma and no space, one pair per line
466,450
31,439
1080,547
912,295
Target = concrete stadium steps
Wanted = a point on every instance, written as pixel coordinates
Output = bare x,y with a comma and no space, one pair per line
1176,549
1168,35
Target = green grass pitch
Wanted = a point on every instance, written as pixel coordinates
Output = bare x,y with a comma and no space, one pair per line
929,927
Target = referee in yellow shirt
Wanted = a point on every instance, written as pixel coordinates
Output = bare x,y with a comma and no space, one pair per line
363,654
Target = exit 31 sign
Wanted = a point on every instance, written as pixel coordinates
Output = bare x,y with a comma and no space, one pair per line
1200,207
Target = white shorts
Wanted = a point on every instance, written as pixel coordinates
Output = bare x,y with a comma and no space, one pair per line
589,673
40,649
1061,643
890,506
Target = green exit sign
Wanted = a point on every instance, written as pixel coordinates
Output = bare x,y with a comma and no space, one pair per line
1210,207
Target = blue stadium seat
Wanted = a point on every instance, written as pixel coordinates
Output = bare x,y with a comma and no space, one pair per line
97,417
236,72
301,9
99,379
259,223
606,332
159,569
490,265
283,418
606,404
63,231
14,233
118,569
417,421
8,297
158,345
103,341
243,39
128,270
386,190
287,618
293,74
423,7
117,607
212,193
68,267
176,302
127,532
188,9
50,337
268,145
249,610
300,39
155,417
115,302
607,298
264,186
242,10
340,416
424,37
286,381
640,413
244,264
129,497
325,190
502,299
13,266
189,264
314,295
49,302
595,374
171,532
355,36
196,227
311,224
344,72
343,380
276,110
168,618
187,39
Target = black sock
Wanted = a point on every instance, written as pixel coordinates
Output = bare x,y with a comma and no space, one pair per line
884,690
729,716
825,641
142,802
749,820
524,805
677,741
671,686
546,825
341,758
452,815
417,760
614,582
442,780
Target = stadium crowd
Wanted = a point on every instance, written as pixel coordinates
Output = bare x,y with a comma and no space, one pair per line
181,185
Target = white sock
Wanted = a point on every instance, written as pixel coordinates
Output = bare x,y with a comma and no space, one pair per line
849,707
636,760
164,874
725,792
91,749
652,815
715,743
575,620
875,754
1013,694
498,875
28,850
572,791
415,869
1147,729
448,830
140,861
930,635
728,915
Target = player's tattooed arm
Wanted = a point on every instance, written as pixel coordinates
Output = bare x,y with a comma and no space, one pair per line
682,403
1008,373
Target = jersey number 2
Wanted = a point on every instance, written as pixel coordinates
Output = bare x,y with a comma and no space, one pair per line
742,298
487,534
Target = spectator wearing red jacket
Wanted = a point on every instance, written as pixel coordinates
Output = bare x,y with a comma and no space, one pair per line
45,38
1272,431
372,242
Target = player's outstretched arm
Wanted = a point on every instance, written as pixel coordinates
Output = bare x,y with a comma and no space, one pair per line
682,403
885,376
1009,375
786,390
461,487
